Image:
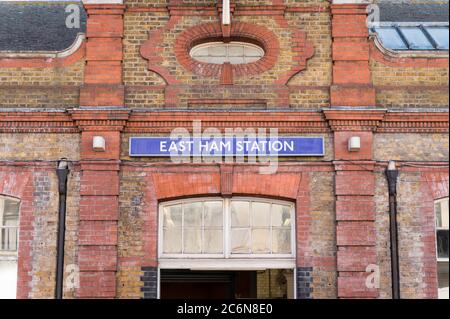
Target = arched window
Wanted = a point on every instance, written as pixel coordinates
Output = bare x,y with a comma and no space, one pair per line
226,228
233,53
9,225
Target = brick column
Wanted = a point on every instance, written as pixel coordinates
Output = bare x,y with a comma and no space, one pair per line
99,202
355,203
352,83
103,72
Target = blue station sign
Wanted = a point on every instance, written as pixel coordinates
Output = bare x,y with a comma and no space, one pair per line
226,146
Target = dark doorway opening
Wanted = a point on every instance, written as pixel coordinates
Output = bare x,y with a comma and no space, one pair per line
187,284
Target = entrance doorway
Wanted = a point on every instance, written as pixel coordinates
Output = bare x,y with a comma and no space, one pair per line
262,284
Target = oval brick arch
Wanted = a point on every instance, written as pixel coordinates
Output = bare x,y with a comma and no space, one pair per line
244,32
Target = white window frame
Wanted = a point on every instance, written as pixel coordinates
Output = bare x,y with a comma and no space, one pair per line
10,256
226,260
5,254
439,201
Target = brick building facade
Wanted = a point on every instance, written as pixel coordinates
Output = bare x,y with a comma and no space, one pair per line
130,73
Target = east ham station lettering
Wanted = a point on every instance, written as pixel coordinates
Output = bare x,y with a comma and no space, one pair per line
285,146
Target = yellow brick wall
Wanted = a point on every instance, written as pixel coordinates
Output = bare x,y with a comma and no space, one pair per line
41,87
410,87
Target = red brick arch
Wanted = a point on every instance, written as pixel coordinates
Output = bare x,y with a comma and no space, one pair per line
211,182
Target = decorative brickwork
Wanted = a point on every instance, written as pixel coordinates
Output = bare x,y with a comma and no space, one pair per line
304,282
150,282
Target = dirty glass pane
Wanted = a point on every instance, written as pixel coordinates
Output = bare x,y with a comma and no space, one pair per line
193,214
240,241
236,50
192,241
260,214
440,36
236,60
251,59
437,211
391,38
442,243
444,214
253,52
240,214
213,241
202,52
218,50
416,38
213,214
172,216
281,241
172,241
11,213
261,240
281,215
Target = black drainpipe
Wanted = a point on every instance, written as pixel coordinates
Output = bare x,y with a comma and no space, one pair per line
62,171
392,174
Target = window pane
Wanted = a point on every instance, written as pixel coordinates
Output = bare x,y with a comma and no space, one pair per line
442,243
11,213
437,210
236,50
251,59
281,215
218,50
236,60
260,214
253,52
240,241
213,214
193,214
201,52
440,35
172,240
416,38
172,216
261,240
281,241
391,39
8,239
213,241
192,241
240,214
204,59
444,214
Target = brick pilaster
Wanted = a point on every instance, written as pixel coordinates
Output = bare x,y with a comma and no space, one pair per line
103,85
355,202
99,202
352,84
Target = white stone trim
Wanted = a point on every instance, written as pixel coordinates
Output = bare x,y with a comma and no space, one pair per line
227,264
46,54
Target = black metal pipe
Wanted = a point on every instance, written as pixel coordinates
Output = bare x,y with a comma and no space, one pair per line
62,171
392,175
